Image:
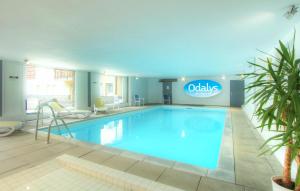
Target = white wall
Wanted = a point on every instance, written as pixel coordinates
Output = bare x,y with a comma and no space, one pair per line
138,87
222,99
81,90
125,91
95,87
154,91
13,91
151,90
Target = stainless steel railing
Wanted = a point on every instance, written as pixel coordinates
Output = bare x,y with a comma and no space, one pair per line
54,118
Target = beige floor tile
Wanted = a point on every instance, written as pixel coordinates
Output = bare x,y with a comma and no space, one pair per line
158,161
78,151
254,167
57,148
5,146
250,169
97,156
133,155
227,163
146,170
11,164
112,150
50,152
253,180
15,170
23,150
190,169
120,163
19,135
180,179
221,174
248,156
38,156
208,184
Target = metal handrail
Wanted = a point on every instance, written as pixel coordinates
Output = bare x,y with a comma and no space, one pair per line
55,119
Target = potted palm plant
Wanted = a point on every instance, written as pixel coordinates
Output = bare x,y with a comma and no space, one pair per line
275,90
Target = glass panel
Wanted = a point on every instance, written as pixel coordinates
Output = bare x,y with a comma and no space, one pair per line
45,83
112,86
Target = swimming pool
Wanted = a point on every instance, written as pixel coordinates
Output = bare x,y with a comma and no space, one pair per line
186,134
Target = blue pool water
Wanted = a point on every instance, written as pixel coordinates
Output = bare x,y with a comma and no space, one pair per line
188,135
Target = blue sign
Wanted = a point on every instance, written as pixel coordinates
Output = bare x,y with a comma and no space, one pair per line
202,88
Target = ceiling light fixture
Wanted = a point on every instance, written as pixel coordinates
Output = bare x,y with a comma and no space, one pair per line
292,11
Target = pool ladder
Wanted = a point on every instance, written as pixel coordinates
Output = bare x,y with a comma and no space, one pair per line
54,118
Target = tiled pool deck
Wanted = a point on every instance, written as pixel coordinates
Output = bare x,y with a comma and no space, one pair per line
76,174
239,168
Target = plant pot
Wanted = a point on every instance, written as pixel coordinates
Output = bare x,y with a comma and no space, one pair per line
276,186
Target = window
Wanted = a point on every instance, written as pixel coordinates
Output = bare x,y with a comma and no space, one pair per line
44,83
112,86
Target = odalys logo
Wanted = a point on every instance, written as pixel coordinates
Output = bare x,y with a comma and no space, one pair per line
202,88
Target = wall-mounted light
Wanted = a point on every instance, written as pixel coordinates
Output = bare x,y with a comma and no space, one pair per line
26,61
183,79
14,77
136,78
223,77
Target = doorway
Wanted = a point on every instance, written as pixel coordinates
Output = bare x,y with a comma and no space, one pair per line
237,93
167,93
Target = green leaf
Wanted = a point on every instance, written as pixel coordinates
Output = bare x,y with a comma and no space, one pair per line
285,52
274,87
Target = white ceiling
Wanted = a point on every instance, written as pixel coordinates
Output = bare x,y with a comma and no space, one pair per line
162,38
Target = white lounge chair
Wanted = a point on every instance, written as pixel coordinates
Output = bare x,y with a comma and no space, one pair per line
99,106
112,102
137,100
61,111
8,127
